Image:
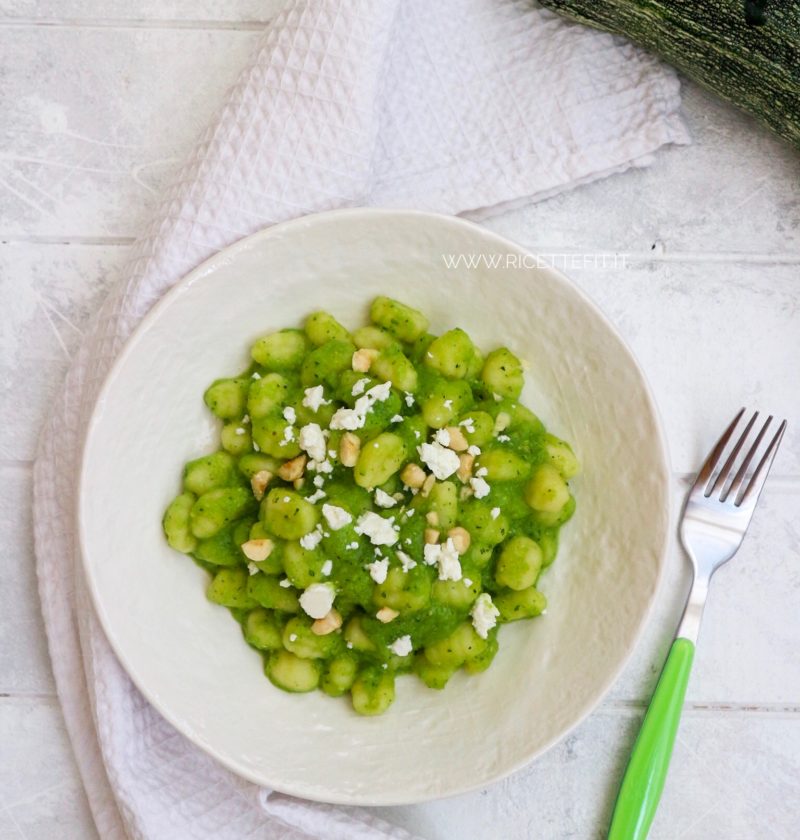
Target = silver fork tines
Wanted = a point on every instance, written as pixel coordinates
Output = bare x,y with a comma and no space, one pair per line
720,505
730,478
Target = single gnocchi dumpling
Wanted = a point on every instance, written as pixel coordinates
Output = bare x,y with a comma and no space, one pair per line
379,504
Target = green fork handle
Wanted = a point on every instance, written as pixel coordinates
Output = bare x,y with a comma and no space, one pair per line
647,769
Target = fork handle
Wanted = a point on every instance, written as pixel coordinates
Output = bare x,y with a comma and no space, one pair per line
647,769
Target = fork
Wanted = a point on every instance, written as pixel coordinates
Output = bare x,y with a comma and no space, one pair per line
718,511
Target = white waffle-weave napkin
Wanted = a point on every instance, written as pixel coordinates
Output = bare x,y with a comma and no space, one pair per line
457,106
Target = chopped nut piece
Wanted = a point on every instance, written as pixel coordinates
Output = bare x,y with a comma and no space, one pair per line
432,517
458,443
460,537
298,483
386,614
259,483
502,422
349,447
464,471
292,470
413,475
431,536
363,359
323,626
428,484
465,492
257,550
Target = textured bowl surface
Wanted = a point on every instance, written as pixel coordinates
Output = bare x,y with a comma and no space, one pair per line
187,655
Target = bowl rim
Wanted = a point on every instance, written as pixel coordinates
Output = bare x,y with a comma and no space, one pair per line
207,267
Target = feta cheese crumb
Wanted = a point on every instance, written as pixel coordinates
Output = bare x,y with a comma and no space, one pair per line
378,570
448,404
409,399
378,529
480,486
312,441
474,450
481,472
319,481
288,436
352,546
348,419
469,425
484,615
417,434
285,583
320,466
256,447
440,460
255,375
317,600
383,499
289,415
239,430
252,568
495,512
293,637
408,562
327,567
442,436
349,645
467,581
503,438
316,496
359,387
314,398
401,646
398,418
336,517
445,557
310,541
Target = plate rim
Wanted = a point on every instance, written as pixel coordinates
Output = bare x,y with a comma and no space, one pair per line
207,267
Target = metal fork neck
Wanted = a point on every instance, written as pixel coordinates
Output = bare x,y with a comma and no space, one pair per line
689,628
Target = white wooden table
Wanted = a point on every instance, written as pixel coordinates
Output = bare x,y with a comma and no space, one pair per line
101,98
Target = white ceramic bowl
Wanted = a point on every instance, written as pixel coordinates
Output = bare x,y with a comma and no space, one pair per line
188,657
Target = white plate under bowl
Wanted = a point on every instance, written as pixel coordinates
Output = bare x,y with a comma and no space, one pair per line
187,655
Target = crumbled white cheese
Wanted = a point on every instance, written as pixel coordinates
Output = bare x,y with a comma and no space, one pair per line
310,541
317,600
383,499
417,434
409,399
319,481
481,472
378,570
336,517
256,447
474,450
246,418
467,581
252,568
409,513
312,441
480,487
378,529
293,637
239,431
448,403
484,615
495,512
442,436
255,375
327,567
314,398
332,453
320,466
401,646
469,425
285,583
289,415
503,438
445,557
408,562
288,436
316,496
440,460
348,419
497,398
398,418
352,546
349,645
359,387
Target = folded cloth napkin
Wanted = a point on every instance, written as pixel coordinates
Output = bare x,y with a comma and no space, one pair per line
458,106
